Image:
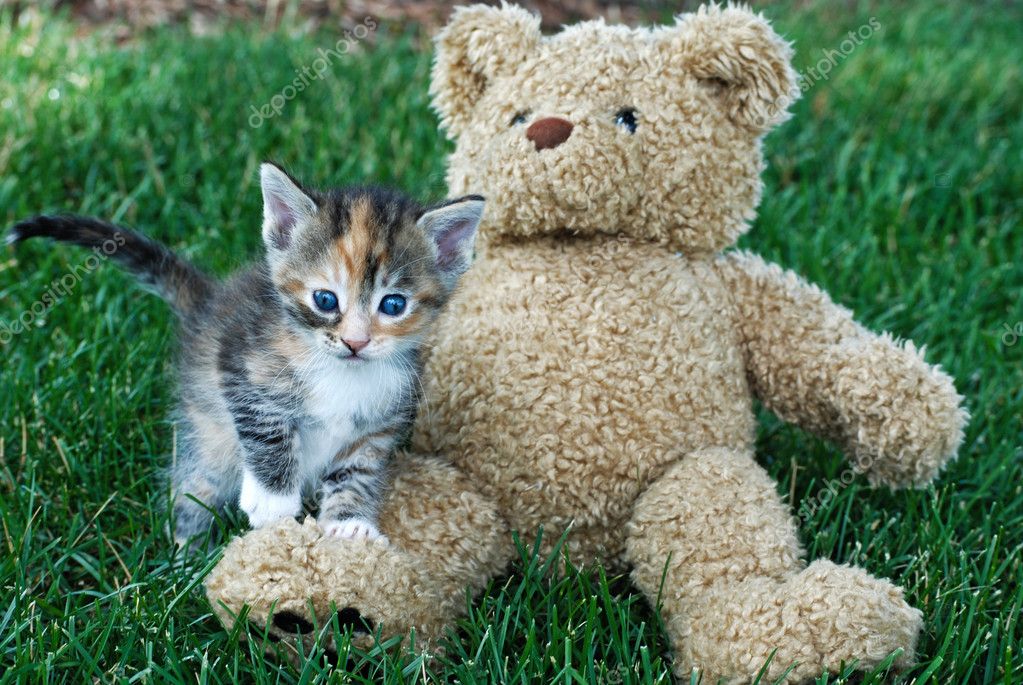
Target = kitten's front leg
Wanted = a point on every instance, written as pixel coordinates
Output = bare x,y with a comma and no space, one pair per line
271,483
264,505
351,491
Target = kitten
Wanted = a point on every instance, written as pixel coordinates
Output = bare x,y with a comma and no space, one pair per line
300,372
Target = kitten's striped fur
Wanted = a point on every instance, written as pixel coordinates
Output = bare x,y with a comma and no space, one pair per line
276,395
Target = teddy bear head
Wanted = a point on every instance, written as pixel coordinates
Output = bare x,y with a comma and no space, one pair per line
649,133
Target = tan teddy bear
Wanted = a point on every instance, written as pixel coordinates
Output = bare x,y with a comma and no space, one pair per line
597,372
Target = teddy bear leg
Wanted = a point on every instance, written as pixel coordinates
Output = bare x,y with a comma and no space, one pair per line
713,543
445,539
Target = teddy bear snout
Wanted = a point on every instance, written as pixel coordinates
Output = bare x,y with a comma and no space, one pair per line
549,132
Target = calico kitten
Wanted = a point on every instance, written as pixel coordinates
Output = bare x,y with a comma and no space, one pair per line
301,372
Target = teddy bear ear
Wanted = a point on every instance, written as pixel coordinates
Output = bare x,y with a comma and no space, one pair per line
479,44
738,56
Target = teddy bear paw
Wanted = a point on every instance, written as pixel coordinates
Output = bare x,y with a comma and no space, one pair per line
292,623
904,419
814,621
851,616
291,581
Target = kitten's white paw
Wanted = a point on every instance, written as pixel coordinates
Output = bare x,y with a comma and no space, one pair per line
354,529
263,506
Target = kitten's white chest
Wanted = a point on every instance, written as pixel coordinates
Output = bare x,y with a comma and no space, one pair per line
344,402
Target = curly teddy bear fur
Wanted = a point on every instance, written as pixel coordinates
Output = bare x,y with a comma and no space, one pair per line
598,370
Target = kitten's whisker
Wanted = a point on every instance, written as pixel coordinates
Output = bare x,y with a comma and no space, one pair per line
417,398
403,251
403,267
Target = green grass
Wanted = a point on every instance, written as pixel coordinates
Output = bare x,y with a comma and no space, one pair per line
896,186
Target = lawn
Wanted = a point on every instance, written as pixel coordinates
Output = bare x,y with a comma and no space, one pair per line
897,186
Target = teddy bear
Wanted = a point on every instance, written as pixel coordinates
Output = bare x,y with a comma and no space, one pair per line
595,377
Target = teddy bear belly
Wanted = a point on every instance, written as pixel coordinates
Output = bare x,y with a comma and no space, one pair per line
564,384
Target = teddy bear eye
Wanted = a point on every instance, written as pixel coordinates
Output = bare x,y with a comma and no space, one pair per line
519,118
626,118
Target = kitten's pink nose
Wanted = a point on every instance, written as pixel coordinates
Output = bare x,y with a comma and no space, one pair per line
354,344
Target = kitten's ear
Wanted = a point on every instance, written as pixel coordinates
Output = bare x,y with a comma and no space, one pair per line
285,206
452,227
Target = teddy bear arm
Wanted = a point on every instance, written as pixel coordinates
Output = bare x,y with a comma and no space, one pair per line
898,418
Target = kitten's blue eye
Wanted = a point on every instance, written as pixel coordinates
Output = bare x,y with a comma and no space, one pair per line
392,305
325,300
519,118
626,118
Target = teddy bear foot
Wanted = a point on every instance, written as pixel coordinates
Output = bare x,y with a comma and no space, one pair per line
296,580
819,619
348,618
300,582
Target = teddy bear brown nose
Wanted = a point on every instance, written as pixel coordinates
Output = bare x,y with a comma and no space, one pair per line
549,132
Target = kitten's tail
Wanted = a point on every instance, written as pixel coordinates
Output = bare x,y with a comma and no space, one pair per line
174,279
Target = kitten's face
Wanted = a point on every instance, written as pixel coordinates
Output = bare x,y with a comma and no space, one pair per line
363,281
363,273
